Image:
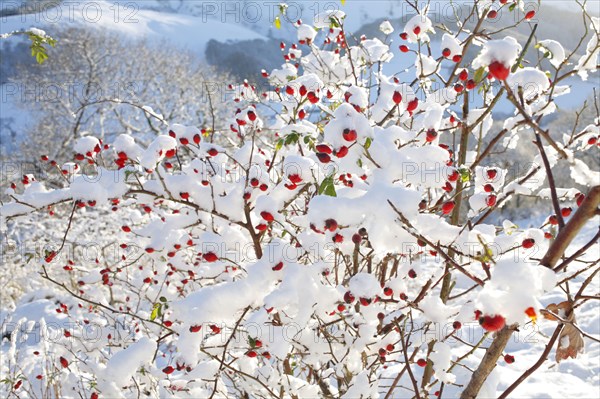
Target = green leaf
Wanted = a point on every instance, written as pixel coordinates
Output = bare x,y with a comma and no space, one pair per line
279,144
310,142
327,187
479,75
512,7
292,138
465,174
38,51
252,342
323,185
162,299
156,311
368,142
330,190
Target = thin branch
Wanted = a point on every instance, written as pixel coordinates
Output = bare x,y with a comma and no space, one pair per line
537,364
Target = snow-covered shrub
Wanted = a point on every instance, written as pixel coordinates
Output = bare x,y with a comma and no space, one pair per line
339,247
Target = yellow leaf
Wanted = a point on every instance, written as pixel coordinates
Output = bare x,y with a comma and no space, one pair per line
343,2
277,23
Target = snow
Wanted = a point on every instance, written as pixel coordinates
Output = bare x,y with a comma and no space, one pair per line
123,364
86,144
374,50
582,174
504,51
442,358
514,287
38,32
279,77
589,60
451,43
364,285
426,65
424,25
102,186
126,143
157,151
435,310
386,28
532,81
557,52
323,19
306,33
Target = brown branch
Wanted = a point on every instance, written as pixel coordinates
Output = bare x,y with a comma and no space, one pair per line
587,282
575,326
242,373
62,245
406,360
399,376
578,253
551,182
586,211
488,362
46,276
488,149
511,96
255,237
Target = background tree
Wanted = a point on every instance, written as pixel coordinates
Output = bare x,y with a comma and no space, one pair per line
97,82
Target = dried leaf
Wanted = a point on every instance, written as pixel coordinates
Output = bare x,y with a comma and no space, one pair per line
562,309
570,341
